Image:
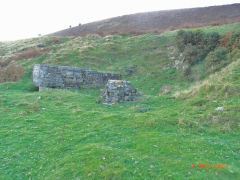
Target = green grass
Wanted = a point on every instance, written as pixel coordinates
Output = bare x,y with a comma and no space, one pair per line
108,142
65,134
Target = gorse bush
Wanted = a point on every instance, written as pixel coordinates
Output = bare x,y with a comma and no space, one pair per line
211,40
192,54
216,57
198,38
195,45
235,54
231,40
235,40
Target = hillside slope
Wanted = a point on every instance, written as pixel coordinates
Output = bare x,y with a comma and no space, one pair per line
67,134
159,21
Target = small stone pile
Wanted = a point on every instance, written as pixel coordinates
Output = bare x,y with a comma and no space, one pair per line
118,91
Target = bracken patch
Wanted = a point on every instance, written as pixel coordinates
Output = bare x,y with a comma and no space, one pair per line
11,73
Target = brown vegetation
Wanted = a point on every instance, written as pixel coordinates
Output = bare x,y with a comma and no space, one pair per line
30,53
25,54
225,40
5,63
231,40
11,73
214,23
158,21
54,41
124,33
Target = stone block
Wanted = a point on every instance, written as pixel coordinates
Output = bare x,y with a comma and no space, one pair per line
118,91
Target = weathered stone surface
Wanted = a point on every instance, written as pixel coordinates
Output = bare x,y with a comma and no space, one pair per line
49,76
118,91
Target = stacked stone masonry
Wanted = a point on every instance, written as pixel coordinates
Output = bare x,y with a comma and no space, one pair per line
64,77
118,91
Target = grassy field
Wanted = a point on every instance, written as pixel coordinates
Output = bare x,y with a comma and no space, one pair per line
65,134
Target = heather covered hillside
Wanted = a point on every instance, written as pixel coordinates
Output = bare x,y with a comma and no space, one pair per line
158,21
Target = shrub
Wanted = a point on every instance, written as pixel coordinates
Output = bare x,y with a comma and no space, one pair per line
215,57
231,40
226,39
211,40
235,54
235,38
197,38
193,54
185,38
186,72
195,45
181,40
11,73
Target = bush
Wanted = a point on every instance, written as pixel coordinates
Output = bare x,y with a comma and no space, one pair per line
231,40
181,40
235,54
236,44
235,38
215,57
197,38
187,72
211,40
195,45
185,38
193,54
11,73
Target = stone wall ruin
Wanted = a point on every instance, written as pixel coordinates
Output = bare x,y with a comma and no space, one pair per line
119,91
64,77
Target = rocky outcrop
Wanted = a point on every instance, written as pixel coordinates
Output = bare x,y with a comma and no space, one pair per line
119,91
64,77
